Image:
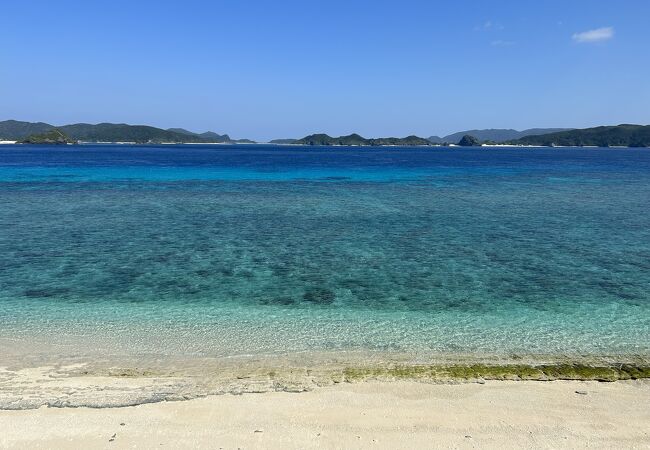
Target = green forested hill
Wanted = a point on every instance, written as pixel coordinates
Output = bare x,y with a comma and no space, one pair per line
214,137
409,140
52,136
619,135
14,130
208,135
324,139
111,132
469,141
494,134
355,139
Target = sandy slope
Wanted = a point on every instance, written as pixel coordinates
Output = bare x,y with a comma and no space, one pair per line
373,415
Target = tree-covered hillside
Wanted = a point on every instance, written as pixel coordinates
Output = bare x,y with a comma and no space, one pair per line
494,134
620,135
110,132
13,130
53,136
355,139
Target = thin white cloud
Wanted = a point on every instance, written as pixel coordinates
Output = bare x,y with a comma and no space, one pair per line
597,35
488,26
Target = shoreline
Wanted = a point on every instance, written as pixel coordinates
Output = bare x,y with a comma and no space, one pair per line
38,373
119,382
373,414
269,144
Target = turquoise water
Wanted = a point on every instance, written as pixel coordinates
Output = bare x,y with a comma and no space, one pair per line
250,250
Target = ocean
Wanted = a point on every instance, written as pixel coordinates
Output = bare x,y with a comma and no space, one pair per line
194,251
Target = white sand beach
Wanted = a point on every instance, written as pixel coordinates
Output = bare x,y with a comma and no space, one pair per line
373,415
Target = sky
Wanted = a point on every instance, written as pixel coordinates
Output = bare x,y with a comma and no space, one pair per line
279,69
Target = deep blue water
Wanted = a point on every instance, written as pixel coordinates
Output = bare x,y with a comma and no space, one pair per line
228,250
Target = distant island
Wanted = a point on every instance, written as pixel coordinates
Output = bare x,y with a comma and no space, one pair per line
283,141
498,135
355,139
13,130
489,136
51,137
469,141
624,135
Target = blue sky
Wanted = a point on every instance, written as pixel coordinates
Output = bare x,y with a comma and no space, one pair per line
271,69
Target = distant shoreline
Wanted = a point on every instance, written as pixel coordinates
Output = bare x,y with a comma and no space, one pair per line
623,135
269,144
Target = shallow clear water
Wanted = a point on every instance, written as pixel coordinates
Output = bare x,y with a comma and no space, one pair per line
233,250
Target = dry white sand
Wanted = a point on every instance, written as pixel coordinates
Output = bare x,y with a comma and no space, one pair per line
498,414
